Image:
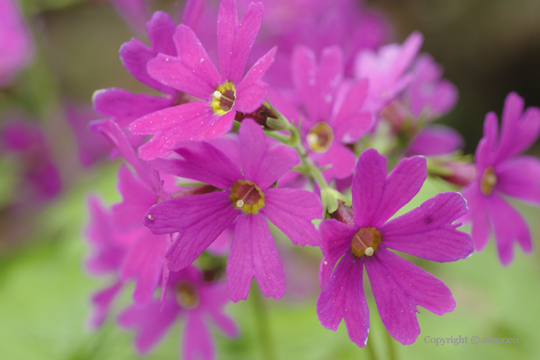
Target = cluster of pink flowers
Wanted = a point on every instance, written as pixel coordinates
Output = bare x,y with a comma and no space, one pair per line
296,113
274,120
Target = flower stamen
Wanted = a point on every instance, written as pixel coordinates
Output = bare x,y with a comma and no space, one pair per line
247,196
187,295
488,181
320,137
365,242
223,98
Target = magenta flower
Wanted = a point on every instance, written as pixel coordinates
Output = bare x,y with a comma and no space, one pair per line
193,72
190,297
40,179
500,171
247,198
91,147
144,257
387,70
123,106
435,140
334,109
364,239
427,94
318,24
135,12
15,41
109,248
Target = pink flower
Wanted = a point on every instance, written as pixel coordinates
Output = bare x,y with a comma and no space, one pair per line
318,24
435,140
500,171
15,41
91,147
248,198
189,297
123,106
143,258
192,72
387,70
427,94
333,109
39,176
109,247
366,234
135,12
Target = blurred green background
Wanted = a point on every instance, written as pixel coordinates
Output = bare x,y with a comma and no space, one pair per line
488,48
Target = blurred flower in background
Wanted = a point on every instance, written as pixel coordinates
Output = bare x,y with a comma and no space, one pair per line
16,45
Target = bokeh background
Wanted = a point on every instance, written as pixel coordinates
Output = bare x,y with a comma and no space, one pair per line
487,47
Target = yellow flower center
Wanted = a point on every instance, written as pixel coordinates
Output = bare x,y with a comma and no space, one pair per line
223,98
320,137
187,295
488,181
365,242
247,196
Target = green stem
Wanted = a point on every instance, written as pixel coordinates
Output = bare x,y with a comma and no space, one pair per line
390,346
277,136
263,328
329,196
314,171
371,349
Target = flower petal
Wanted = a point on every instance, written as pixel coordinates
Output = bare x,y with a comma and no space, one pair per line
173,124
317,85
336,240
137,199
135,12
427,231
403,183
102,301
260,164
109,245
215,296
508,227
135,55
254,254
199,219
399,287
436,140
251,91
236,39
221,246
202,162
192,71
368,186
197,342
520,177
518,130
193,12
341,160
486,148
343,297
478,215
124,104
291,211
150,322
350,123
144,262
118,138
